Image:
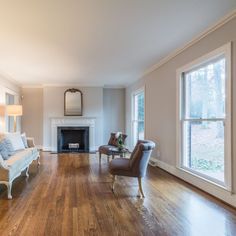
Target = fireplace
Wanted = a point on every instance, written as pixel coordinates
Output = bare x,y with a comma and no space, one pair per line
73,139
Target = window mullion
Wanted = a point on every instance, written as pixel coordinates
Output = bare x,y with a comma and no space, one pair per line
208,119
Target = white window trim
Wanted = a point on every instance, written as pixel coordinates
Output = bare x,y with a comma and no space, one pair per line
16,101
137,91
226,51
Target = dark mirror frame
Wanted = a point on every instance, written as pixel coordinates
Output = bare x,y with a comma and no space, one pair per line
73,90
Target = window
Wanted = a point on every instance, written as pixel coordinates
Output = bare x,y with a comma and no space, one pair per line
138,116
204,117
9,120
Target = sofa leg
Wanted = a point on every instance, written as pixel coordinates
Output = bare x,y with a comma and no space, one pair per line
38,161
140,187
9,186
113,183
27,172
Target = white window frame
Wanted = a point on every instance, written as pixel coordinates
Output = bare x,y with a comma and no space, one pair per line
225,51
136,92
9,122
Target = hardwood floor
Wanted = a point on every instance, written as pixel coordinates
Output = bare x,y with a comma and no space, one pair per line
70,194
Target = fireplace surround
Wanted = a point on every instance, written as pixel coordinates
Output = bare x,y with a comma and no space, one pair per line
73,122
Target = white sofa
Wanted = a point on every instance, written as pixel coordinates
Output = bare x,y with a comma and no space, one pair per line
10,169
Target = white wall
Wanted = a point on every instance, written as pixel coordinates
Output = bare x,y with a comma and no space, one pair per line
53,106
160,102
114,111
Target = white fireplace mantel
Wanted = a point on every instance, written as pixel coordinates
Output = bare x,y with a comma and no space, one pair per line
73,122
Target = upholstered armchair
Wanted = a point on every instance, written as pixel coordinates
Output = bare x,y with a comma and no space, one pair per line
111,147
135,166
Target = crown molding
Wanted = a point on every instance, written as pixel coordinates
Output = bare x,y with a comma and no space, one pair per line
57,85
32,86
114,86
9,78
72,85
196,39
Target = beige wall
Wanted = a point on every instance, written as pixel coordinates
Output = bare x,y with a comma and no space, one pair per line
160,88
7,86
114,111
32,120
42,104
53,104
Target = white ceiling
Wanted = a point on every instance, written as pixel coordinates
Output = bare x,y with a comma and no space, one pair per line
96,42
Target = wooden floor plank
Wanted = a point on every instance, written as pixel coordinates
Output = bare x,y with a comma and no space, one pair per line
70,194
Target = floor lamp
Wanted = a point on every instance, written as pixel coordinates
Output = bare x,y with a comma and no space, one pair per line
14,110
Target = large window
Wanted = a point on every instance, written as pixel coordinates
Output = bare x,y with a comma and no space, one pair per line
10,120
204,117
138,116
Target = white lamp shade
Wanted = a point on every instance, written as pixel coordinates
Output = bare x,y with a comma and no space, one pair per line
14,110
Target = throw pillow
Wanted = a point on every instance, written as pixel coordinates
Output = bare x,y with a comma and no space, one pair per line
3,150
7,143
16,141
111,140
24,139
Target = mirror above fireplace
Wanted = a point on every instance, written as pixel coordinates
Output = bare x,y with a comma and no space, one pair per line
73,102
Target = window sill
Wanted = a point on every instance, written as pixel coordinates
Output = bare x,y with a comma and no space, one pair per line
199,176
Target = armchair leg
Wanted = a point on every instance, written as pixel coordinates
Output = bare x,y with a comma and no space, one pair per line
9,185
140,187
100,156
113,182
108,158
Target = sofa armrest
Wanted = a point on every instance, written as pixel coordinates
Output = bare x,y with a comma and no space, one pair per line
3,165
30,142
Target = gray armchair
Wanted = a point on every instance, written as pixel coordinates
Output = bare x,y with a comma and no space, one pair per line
111,147
135,166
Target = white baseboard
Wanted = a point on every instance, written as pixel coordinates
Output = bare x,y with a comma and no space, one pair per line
49,149
46,149
153,161
208,187
39,147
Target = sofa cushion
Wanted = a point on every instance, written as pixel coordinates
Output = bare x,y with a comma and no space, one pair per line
24,140
3,150
20,159
120,166
16,141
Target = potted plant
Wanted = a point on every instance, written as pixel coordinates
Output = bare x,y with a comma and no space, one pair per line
120,142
